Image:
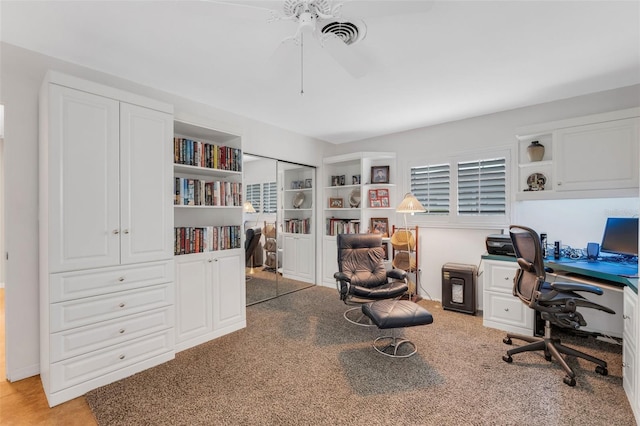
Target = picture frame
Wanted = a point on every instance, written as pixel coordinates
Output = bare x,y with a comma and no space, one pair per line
379,225
335,180
379,198
308,183
355,180
336,203
342,180
379,174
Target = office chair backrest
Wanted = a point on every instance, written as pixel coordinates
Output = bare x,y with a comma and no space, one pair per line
531,276
361,258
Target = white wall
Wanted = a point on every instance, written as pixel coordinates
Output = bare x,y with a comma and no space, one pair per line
22,72
574,222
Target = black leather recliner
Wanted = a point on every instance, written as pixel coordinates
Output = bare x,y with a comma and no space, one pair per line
252,239
362,276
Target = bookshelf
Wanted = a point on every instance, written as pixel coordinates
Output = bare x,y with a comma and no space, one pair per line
350,182
208,233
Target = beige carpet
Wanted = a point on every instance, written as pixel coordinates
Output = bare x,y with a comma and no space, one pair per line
263,285
299,362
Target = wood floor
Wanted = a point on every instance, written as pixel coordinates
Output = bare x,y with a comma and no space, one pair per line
23,402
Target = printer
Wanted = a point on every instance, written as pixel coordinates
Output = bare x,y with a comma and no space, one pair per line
500,244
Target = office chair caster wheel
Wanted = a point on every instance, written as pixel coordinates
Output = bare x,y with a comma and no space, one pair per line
507,358
602,370
570,381
507,341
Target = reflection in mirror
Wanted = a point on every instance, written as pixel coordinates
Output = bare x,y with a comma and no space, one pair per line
278,219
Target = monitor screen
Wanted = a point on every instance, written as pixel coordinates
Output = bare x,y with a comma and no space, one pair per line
620,236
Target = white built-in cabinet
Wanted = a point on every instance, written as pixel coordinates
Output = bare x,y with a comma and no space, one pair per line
209,280
298,261
585,157
501,309
106,267
630,373
209,302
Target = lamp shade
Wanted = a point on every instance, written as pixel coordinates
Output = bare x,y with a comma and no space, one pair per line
247,207
410,204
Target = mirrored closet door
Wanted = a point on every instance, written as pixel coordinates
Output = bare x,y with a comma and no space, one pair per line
279,221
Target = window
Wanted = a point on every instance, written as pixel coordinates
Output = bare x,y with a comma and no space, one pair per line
482,187
430,185
474,194
269,197
253,195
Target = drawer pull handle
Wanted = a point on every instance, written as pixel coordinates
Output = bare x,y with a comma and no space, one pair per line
507,278
121,279
625,364
210,260
121,331
506,309
116,231
121,305
121,356
626,317
126,231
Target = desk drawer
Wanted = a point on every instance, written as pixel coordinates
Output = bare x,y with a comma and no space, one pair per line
78,341
500,277
91,310
80,369
94,282
507,309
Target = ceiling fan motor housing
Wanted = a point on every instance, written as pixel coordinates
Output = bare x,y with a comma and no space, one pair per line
300,8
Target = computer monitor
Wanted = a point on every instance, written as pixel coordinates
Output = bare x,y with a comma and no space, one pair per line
620,236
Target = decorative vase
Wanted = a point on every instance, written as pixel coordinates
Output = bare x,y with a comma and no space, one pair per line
535,151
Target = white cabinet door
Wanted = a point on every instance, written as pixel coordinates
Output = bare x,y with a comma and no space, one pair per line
329,260
83,195
304,257
597,156
193,297
146,184
289,257
228,290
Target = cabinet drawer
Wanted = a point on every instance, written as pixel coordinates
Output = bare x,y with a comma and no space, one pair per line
80,369
94,282
91,310
500,277
630,328
629,371
78,341
507,309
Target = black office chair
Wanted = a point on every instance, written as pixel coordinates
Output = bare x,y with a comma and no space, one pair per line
557,303
362,276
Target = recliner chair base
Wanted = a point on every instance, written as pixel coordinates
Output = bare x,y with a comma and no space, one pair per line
355,316
552,349
394,344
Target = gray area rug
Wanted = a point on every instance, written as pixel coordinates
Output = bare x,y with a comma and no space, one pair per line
299,362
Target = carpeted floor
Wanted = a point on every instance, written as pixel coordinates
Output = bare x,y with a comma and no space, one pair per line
263,285
299,362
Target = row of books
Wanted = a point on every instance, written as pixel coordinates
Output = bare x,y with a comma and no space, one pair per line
203,154
297,226
197,192
207,238
342,226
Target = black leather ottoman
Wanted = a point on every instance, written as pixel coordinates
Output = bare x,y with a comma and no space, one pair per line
393,314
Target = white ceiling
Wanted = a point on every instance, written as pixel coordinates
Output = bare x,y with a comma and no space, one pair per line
427,62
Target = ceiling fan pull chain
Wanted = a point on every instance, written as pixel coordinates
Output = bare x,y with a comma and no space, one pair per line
301,64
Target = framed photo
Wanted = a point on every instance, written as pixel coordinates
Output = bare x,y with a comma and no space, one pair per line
380,225
336,203
308,183
342,180
378,198
335,180
355,180
380,174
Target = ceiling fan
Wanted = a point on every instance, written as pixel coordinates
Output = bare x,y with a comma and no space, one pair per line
324,21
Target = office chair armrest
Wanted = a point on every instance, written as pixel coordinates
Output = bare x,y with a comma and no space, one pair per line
397,274
341,276
564,287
